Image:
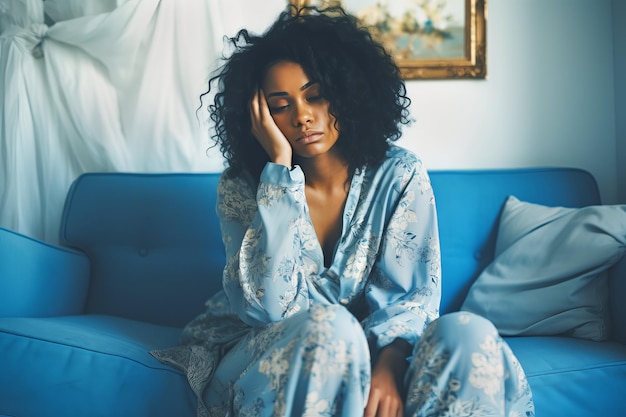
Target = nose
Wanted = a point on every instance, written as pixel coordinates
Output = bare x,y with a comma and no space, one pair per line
302,114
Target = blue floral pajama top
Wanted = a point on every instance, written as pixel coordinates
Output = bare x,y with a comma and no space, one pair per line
386,266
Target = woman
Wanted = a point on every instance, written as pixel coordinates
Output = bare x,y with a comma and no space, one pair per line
332,283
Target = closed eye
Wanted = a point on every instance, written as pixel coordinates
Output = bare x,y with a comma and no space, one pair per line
278,109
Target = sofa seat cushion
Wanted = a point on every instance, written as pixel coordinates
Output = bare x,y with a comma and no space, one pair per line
562,368
101,363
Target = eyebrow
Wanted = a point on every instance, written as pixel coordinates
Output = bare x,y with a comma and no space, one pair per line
283,93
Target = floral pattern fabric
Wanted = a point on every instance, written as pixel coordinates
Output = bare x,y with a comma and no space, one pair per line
288,336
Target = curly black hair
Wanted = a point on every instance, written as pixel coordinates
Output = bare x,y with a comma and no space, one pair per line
360,80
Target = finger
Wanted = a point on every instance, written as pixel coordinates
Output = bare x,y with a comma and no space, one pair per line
254,108
256,116
389,407
395,407
384,408
372,405
264,107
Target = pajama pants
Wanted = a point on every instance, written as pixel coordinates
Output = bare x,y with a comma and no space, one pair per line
317,363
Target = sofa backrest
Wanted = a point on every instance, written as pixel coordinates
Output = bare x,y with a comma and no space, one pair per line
469,203
156,252
153,242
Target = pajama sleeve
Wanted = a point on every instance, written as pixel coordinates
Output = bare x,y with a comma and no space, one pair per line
404,292
269,243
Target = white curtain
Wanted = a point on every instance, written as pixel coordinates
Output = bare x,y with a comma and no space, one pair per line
102,85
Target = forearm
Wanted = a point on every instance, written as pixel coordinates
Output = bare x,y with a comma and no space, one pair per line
263,278
410,266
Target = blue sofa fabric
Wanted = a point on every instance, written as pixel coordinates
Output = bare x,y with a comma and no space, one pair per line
154,243
140,254
38,279
88,365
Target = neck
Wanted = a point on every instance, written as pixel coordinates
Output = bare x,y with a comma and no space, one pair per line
325,171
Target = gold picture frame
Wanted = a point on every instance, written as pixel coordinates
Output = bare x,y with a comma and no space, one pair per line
429,39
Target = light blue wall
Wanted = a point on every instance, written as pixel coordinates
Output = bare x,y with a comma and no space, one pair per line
619,53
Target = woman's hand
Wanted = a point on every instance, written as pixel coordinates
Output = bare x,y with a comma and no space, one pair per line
267,132
385,399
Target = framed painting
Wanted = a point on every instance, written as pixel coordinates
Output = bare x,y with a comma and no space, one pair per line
429,39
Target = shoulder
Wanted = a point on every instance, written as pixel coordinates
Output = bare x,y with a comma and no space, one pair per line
401,161
405,169
236,187
230,182
402,158
235,197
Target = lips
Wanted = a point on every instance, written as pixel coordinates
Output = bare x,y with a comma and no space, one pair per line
309,136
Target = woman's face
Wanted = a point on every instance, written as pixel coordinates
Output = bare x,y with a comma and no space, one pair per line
299,109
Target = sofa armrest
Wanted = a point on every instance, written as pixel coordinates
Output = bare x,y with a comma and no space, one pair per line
617,291
38,279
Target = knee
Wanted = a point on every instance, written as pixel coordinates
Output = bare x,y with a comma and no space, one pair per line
331,323
335,319
462,328
334,333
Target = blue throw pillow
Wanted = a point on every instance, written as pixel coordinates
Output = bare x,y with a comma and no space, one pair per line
549,275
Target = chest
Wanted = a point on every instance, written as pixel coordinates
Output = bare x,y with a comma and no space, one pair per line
326,212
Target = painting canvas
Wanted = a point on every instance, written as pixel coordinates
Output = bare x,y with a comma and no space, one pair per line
430,39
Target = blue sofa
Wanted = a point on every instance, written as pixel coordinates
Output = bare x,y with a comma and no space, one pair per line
140,253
